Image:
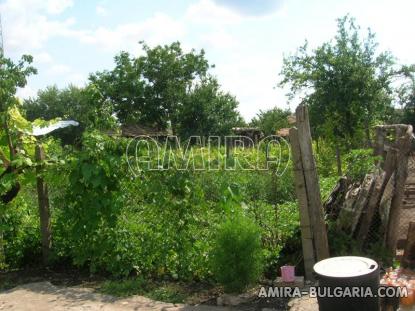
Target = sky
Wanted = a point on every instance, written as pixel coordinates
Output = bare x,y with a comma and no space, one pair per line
246,40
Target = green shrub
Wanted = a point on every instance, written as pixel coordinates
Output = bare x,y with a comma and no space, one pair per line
237,255
359,162
20,227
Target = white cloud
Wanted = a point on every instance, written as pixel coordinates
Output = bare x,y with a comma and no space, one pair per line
77,79
252,8
58,6
43,58
26,92
59,69
101,11
159,28
28,26
218,40
209,13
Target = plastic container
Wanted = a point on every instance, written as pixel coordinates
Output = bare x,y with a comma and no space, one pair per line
288,273
351,272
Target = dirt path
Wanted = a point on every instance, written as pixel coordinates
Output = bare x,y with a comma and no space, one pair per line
43,296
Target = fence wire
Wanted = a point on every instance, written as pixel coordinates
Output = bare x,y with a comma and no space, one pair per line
377,230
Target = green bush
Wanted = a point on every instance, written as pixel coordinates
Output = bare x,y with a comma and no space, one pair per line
237,255
20,227
359,162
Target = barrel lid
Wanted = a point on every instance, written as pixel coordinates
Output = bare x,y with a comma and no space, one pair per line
346,266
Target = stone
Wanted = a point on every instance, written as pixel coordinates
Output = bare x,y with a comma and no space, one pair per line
231,300
298,282
305,303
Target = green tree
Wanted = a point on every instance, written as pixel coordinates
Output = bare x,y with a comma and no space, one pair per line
75,103
271,120
161,86
406,95
206,110
13,154
13,124
345,82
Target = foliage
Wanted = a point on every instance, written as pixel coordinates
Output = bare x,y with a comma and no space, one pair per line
13,76
164,224
346,83
237,257
325,158
359,162
160,224
327,185
167,292
271,120
13,135
161,87
124,288
343,244
207,111
20,227
406,95
92,201
72,103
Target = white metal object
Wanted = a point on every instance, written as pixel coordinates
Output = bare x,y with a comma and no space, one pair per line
38,131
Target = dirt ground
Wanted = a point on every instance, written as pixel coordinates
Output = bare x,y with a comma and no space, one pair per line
45,296
68,290
41,296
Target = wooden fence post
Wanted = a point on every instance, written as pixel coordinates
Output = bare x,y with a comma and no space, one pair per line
44,211
315,207
403,147
301,192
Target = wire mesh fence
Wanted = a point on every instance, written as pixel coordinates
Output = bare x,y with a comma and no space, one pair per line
377,231
408,203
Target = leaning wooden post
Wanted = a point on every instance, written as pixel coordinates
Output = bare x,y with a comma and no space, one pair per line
301,192
403,147
315,206
44,211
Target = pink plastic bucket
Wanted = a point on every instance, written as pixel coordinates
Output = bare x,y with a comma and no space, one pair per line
288,273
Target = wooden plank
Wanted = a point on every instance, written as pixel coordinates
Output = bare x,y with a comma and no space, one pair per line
371,208
300,189
403,145
346,212
390,163
312,184
384,205
362,199
44,211
332,206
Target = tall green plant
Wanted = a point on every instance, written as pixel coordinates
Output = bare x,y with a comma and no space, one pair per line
237,254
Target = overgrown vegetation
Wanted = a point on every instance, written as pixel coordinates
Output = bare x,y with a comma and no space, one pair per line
237,257
221,225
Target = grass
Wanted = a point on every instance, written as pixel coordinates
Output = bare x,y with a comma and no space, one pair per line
166,292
